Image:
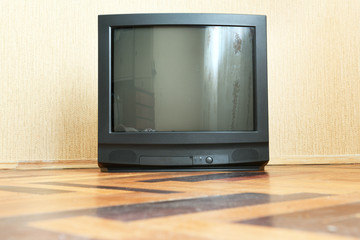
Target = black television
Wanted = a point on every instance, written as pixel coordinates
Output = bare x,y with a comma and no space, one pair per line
182,92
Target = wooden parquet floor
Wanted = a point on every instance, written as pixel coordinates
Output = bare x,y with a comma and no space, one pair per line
284,202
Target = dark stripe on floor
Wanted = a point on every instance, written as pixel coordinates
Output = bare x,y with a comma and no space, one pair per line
208,177
185,206
109,187
141,211
341,219
31,190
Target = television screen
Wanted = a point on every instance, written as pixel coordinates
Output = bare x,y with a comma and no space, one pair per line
183,78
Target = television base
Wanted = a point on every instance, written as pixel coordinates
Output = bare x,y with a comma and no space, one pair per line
183,169
196,157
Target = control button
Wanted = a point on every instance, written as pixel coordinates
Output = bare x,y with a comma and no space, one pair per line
209,159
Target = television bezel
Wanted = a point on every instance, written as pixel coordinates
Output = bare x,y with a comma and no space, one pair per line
108,22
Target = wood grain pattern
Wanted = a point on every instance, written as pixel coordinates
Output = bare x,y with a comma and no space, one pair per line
284,202
48,76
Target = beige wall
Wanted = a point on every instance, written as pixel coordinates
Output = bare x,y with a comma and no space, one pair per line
48,76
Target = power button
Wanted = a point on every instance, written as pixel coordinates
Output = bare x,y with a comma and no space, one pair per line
209,159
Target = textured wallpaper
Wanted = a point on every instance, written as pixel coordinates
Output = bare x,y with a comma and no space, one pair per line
48,76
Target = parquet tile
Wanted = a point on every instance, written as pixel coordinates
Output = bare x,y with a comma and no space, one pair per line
284,202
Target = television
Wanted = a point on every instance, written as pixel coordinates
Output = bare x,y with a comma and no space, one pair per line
183,92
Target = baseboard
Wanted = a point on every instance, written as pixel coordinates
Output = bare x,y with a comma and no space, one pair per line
53,164
92,163
315,159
